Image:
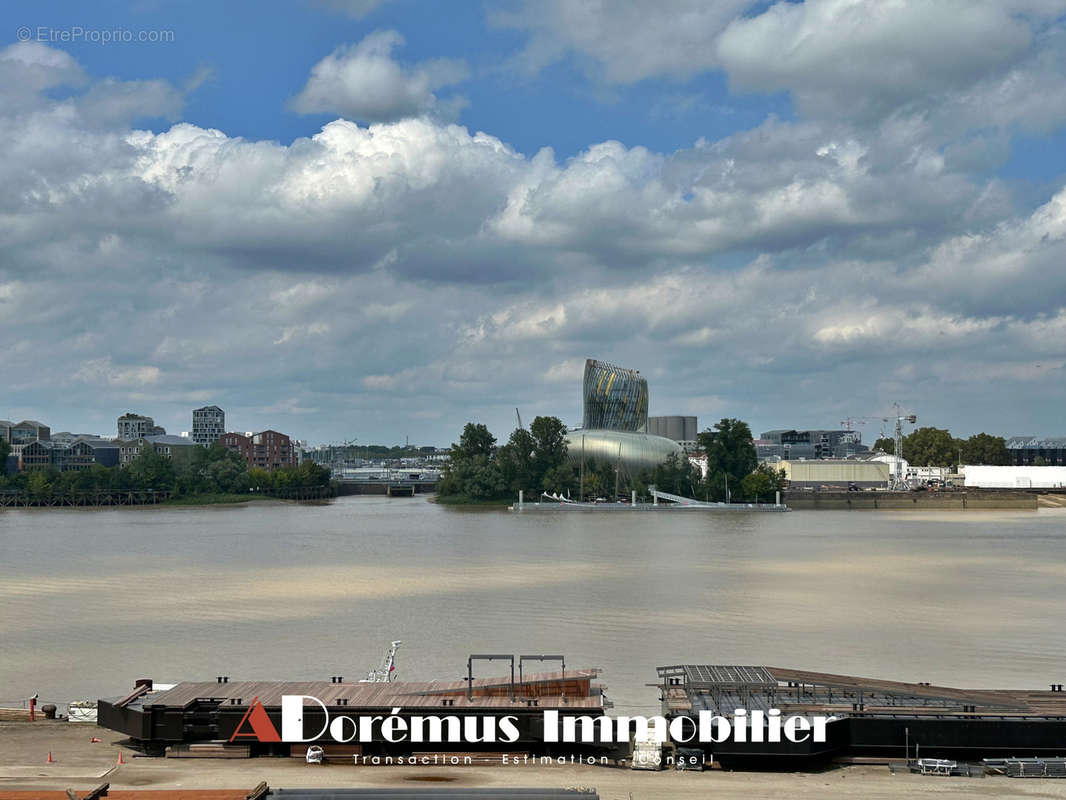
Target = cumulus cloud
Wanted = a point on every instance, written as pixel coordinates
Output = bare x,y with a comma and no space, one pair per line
364,269
867,56
363,82
622,42
962,63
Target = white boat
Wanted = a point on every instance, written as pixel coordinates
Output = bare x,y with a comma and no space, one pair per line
81,711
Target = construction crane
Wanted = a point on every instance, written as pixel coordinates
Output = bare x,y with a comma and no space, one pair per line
847,422
383,674
519,420
899,478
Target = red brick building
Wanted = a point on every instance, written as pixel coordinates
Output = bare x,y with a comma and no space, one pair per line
266,450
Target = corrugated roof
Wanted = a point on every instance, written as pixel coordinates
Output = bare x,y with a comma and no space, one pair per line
1035,443
372,695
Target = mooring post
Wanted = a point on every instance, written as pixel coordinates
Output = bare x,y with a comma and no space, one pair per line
521,499
777,498
633,501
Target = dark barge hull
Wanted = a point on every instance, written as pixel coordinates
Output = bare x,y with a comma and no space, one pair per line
201,712
875,718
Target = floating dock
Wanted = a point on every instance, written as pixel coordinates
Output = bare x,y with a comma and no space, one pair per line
202,717
886,719
661,501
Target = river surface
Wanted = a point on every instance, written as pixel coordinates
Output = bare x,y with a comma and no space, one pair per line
92,599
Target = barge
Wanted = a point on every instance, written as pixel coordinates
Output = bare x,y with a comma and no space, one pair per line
892,720
226,718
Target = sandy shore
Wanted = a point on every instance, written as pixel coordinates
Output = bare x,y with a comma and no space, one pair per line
82,764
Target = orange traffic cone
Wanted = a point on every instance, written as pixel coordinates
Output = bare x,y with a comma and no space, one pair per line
50,759
120,761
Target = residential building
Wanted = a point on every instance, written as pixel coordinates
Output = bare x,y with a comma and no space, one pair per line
136,426
176,447
266,450
208,424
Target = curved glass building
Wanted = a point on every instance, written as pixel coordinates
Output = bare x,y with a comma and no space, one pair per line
615,421
615,399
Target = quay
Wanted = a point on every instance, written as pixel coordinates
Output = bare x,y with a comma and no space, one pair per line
876,500
670,503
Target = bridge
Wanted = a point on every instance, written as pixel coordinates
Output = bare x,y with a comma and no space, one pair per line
389,488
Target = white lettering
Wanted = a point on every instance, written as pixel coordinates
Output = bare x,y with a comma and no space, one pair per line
292,717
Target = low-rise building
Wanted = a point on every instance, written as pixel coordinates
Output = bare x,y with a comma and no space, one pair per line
1048,451
23,433
791,444
176,447
988,477
65,456
836,474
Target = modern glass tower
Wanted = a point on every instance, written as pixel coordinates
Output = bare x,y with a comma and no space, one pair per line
616,399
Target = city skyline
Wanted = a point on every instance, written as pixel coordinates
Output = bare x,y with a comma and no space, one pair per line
789,213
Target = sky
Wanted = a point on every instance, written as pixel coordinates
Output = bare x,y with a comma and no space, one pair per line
376,220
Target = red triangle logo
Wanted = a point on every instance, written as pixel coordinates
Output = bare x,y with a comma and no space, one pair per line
256,718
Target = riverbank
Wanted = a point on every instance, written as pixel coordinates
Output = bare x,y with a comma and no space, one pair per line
211,500
463,500
81,764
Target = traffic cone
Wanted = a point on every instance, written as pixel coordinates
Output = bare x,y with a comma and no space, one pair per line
120,761
50,759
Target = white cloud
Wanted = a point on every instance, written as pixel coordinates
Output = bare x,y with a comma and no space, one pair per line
622,42
870,56
416,259
363,82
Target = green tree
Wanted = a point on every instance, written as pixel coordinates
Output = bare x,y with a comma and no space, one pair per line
676,475
730,454
516,461
982,448
930,447
39,483
886,444
473,470
549,447
475,441
151,470
761,484
5,451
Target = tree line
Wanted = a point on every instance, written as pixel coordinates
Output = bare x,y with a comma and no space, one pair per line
204,471
936,447
536,460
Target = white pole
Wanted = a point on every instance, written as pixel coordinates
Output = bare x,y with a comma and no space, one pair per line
521,499
777,498
633,502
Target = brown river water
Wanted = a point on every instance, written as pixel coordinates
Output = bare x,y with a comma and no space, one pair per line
92,599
